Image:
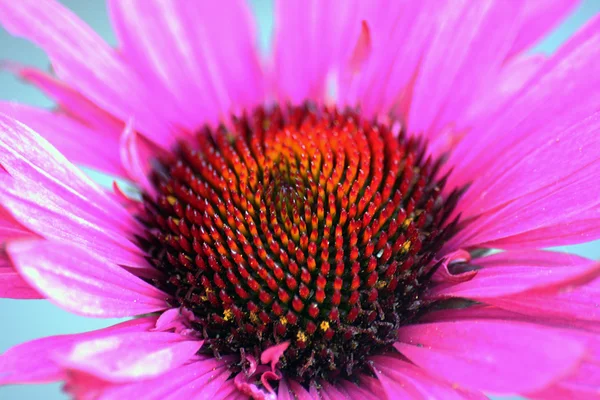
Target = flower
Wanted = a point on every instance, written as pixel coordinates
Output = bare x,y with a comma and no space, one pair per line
317,225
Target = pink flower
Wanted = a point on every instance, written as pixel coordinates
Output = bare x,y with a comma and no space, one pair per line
281,246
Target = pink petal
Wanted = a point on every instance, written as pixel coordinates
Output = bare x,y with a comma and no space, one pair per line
10,228
70,101
538,19
536,159
552,176
200,378
137,168
51,197
27,156
76,142
173,45
273,354
311,40
33,362
401,379
515,272
12,286
466,51
575,302
84,61
289,389
82,282
129,357
498,357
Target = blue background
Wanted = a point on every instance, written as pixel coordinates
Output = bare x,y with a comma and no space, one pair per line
26,320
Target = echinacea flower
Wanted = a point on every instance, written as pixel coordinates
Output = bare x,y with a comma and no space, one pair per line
312,226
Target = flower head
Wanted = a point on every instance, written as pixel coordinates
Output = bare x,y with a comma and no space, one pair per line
316,225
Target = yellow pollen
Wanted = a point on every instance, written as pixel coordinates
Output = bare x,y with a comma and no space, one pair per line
227,315
283,321
253,317
301,336
407,222
406,246
324,326
171,200
380,284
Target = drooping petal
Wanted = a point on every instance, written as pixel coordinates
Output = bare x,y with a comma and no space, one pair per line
173,44
493,356
129,357
78,143
84,61
82,282
582,382
51,197
34,362
203,378
27,156
401,379
515,272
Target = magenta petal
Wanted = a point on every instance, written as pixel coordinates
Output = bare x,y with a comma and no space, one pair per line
70,100
516,272
401,379
289,389
129,356
579,302
83,60
493,356
33,362
82,282
199,379
539,18
78,143
172,44
12,286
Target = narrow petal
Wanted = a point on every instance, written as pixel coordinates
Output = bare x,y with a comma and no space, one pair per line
34,362
538,19
401,379
129,357
498,357
84,61
173,44
515,272
82,282
78,143
69,100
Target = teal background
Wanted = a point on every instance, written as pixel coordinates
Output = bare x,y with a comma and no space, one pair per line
27,320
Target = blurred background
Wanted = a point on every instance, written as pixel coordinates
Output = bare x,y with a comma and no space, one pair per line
27,320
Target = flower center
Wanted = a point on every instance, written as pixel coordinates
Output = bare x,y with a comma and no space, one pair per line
307,226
